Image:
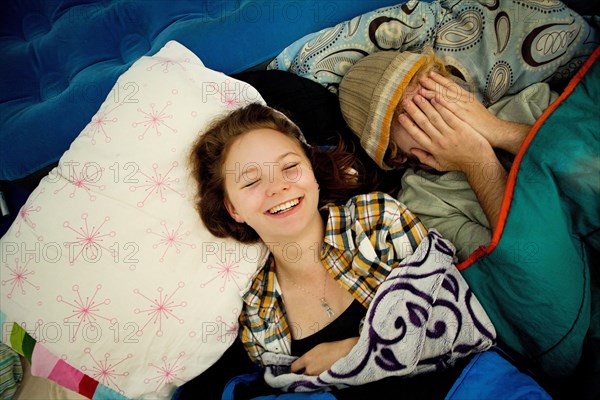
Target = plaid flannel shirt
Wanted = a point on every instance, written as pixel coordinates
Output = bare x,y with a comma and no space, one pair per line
364,240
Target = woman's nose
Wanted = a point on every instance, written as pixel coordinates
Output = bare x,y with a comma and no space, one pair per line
277,183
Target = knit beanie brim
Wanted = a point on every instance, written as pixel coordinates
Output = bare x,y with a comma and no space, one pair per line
369,94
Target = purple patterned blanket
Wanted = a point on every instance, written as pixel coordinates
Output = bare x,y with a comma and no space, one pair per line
424,317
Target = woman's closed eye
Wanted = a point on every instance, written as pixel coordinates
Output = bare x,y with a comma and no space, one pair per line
251,183
292,172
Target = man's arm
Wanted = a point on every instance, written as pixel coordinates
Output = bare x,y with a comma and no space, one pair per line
501,134
449,143
447,203
488,181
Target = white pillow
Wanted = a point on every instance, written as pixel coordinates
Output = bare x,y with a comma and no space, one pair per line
108,266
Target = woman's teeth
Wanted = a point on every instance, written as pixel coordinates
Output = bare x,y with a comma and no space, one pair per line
284,207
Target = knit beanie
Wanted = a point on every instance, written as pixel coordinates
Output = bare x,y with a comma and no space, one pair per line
369,93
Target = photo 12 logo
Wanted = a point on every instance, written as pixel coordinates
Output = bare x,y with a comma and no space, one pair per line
53,252
90,173
74,331
253,171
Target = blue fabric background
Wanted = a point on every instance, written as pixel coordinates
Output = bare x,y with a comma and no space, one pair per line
490,376
61,58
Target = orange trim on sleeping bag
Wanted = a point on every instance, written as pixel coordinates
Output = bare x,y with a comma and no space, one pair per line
512,176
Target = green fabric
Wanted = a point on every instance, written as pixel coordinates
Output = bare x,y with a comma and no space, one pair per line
11,372
21,341
535,285
16,338
447,203
526,106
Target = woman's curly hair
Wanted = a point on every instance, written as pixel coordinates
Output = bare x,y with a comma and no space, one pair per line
338,171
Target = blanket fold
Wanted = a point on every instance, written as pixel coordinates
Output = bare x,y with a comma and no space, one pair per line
424,317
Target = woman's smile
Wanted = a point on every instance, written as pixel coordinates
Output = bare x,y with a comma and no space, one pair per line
286,208
271,189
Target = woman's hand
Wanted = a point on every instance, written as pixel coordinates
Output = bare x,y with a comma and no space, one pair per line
321,357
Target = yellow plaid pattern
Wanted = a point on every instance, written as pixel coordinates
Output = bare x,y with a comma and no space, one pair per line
364,240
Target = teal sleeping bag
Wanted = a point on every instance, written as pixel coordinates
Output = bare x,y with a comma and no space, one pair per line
534,279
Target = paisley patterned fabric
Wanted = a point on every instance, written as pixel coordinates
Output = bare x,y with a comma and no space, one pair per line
498,47
423,318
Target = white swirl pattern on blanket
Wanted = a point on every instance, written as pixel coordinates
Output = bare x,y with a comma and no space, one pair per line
423,318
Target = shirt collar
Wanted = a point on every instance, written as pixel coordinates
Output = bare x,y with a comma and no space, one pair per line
339,226
263,288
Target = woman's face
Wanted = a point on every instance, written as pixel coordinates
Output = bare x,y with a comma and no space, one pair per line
397,132
270,184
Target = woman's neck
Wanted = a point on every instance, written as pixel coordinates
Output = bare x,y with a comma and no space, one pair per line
296,254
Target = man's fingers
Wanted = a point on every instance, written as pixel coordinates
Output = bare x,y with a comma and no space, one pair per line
414,131
448,92
440,85
431,114
426,158
419,118
442,80
448,115
428,94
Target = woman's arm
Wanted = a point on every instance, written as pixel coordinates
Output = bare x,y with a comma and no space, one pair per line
321,357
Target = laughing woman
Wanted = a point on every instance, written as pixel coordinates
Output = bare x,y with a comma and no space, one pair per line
329,247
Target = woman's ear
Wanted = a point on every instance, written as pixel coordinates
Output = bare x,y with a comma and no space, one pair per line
231,210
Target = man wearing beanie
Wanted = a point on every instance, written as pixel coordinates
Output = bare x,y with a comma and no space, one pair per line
459,193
